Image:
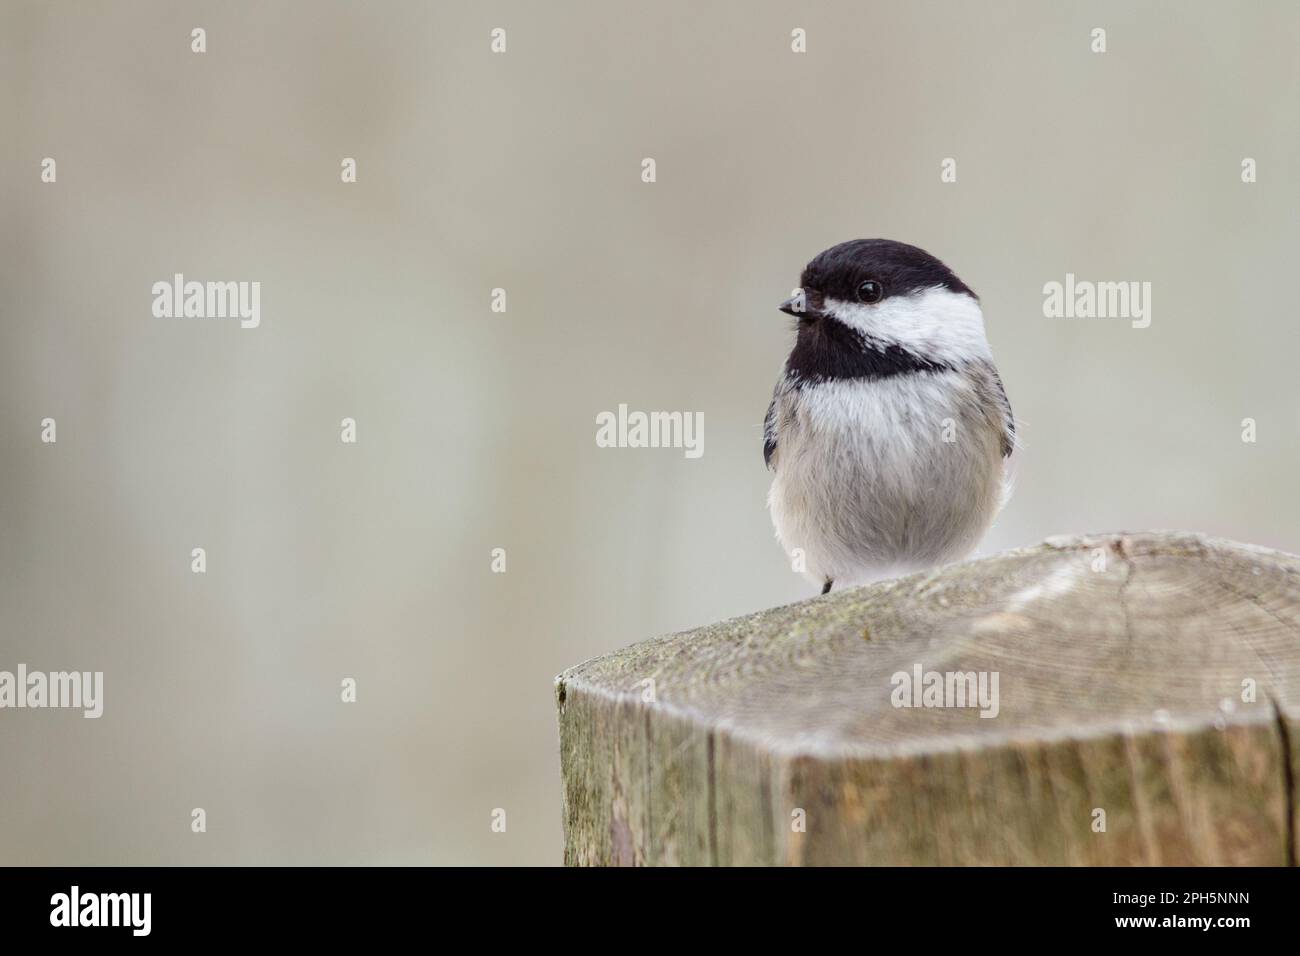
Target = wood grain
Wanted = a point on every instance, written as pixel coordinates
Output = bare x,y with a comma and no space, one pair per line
1125,668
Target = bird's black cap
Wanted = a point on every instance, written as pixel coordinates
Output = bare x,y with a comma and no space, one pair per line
838,272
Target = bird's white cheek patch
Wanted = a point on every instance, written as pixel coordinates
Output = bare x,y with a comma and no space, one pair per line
937,324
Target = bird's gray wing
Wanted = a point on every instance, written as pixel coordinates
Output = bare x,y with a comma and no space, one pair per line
993,403
769,434
1008,419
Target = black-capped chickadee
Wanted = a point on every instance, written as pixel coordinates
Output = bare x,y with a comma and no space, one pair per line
889,431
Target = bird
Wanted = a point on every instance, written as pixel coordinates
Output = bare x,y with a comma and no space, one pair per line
889,435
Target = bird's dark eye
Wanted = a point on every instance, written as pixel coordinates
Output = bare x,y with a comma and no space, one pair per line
871,291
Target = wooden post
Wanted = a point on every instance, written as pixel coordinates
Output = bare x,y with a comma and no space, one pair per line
1144,711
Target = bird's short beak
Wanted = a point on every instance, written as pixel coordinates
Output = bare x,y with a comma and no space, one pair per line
803,307
797,306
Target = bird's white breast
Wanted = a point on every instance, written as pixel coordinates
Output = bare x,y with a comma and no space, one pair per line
882,476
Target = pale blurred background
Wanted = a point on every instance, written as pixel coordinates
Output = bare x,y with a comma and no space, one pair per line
476,430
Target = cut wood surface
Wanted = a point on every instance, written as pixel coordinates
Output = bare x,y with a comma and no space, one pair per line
1147,695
